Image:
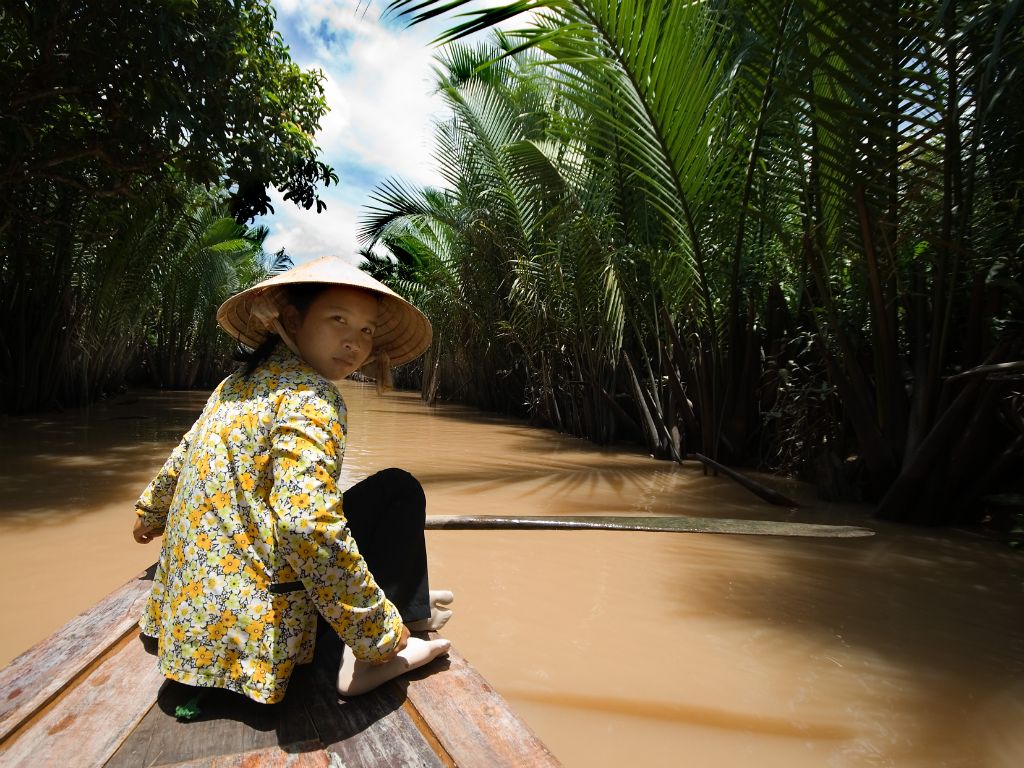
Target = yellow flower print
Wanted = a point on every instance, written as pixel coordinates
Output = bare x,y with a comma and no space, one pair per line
255,630
300,500
259,461
230,564
372,628
305,549
178,631
322,474
203,541
216,631
203,657
343,559
228,619
247,481
248,422
242,540
257,576
193,589
221,500
336,430
228,659
259,670
302,444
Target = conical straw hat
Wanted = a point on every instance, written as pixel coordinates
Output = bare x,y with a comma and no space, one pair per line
403,332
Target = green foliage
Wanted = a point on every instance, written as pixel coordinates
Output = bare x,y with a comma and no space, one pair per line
785,231
133,137
97,95
145,282
203,259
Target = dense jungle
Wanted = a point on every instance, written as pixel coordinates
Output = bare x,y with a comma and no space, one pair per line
783,234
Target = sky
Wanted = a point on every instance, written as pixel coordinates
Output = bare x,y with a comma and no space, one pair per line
379,86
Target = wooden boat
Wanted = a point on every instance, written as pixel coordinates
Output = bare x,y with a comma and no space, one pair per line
91,695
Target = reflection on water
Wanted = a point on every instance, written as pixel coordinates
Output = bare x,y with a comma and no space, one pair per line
649,649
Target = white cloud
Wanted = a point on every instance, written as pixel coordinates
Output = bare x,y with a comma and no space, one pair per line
379,86
383,116
306,235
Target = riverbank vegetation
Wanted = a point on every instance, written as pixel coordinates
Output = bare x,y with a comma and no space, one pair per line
786,234
137,138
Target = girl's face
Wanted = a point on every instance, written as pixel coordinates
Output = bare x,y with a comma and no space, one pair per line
335,337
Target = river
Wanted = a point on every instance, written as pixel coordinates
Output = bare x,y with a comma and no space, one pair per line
618,648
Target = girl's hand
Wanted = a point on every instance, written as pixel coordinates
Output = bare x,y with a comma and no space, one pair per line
143,533
402,642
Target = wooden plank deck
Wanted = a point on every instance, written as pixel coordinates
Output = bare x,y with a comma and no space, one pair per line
91,695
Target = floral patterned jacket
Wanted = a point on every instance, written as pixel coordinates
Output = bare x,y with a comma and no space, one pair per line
249,501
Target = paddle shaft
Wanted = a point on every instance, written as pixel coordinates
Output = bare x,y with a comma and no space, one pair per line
680,524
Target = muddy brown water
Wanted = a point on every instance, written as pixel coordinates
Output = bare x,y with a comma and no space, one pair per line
618,648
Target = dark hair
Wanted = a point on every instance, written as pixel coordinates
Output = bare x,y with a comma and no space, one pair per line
298,295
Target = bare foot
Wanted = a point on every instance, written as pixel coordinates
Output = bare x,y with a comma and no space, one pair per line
438,614
356,677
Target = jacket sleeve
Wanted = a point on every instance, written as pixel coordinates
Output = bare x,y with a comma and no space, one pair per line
155,501
308,443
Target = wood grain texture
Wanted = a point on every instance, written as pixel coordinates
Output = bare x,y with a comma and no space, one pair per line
303,756
365,732
37,675
652,524
85,725
370,730
229,724
475,725
92,695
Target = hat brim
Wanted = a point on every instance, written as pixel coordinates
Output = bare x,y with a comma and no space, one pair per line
403,331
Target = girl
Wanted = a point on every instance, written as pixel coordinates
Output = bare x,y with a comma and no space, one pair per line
258,537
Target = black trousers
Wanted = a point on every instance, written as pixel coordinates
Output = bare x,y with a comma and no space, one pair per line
386,513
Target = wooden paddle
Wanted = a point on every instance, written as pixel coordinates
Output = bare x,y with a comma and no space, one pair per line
682,524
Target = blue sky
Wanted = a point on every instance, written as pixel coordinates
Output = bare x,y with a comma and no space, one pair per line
379,86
